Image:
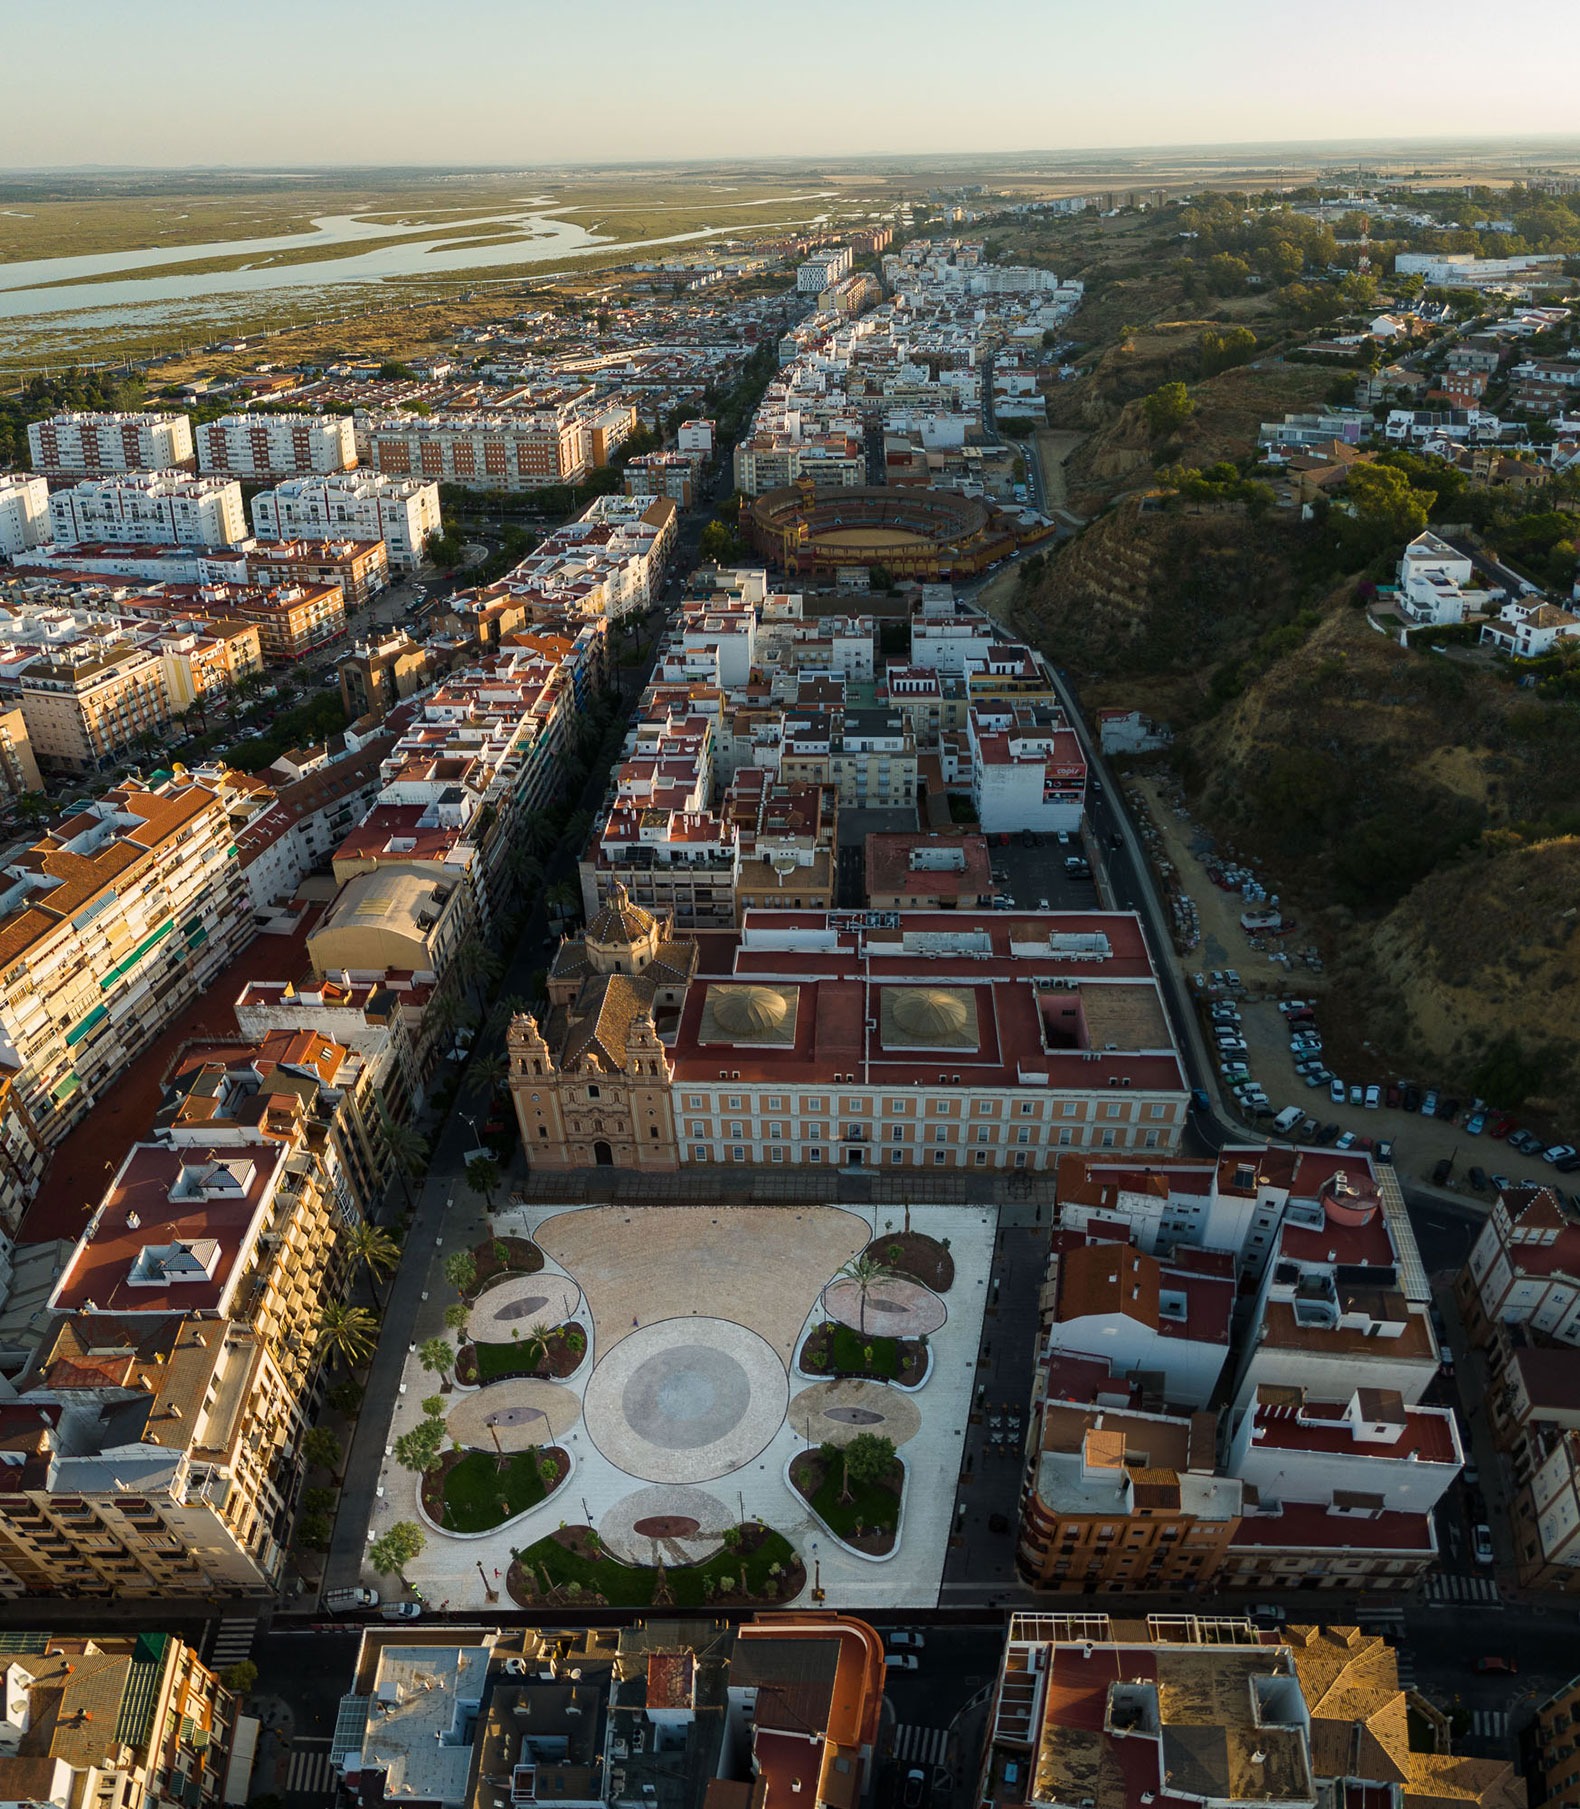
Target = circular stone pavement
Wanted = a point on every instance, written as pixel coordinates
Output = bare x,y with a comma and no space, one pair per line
895,1308
665,1525
685,1400
516,1305
833,1413
523,1412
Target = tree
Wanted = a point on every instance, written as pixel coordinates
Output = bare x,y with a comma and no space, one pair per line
868,1458
1167,409
408,1149
322,1448
346,1397
456,1314
1387,509
536,1343
376,1250
460,1270
240,1677
488,1072
436,1356
420,1448
476,967
483,1175
314,1531
717,545
391,1554
349,1332
866,1272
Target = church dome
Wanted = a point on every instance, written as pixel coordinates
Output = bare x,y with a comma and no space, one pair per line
748,1010
620,922
930,1014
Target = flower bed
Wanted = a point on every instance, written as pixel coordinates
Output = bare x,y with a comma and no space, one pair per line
917,1257
869,1521
521,1257
473,1491
835,1350
560,1355
569,1566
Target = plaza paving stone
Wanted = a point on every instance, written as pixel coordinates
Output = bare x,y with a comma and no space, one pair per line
894,1308
667,1524
833,1413
522,1412
510,1309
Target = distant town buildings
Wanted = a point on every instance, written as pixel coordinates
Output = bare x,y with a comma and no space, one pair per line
260,446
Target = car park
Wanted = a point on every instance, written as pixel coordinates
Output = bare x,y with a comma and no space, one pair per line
1481,1543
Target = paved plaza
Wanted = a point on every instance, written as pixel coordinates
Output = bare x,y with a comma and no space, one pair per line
684,1417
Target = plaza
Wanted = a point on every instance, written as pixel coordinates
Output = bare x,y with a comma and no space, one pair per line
683,1417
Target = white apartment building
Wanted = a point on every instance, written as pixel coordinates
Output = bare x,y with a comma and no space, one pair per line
90,445
150,508
696,436
1027,768
24,513
501,450
271,446
822,270
403,512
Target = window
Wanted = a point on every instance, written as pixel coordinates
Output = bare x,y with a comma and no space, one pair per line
812,1105
1068,1108
698,1128
1023,1133
593,1093
1027,1107
814,1131
737,1154
1157,1111
984,1133
773,1103
736,1131
940,1133
1109,1139
814,1155
852,1105
734,1103
982,1158
896,1155
699,1152
896,1133
939,1156
1020,1158
1110,1109
776,1155
776,1130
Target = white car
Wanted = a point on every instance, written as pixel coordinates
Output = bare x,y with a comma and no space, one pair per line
902,1641
902,1661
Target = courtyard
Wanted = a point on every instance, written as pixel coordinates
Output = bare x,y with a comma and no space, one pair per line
697,1387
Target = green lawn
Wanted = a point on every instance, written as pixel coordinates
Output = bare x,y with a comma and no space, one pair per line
850,1356
873,1505
629,1586
474,1488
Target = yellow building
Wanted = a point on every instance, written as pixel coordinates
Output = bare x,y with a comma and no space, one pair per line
83,713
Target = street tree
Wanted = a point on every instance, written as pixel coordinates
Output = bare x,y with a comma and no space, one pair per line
391,1554
483,1176
460,1270
347,1332
420,1449
866,1272
321,1447
376,1250
436,1355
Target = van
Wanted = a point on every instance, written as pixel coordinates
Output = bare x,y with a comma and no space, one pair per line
1287,1119
346,1601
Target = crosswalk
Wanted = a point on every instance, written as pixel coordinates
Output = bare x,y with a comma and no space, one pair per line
1477,1591
312,1771
232,1642
1490,1724
920,1745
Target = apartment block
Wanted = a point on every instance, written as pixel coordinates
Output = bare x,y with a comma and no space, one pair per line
87,707
1524,1269
18,765
293,620
361,568
822,269
149,508
108,927
1027,768
379,673
259,447
669,474
495,451
118,1718
1555,1738
94,445
402,512
24,513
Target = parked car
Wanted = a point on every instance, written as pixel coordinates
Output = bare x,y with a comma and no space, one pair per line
346,1601
1409,1098
1384,1150
1373,1097
1345,1140
1475,1124
1231,977
1357,1093
1477,1178
1499,1182
1558,1152
1233,1045
1525,1143
1327,1134
1392,1096
1481,1543
1429,1104
907,1641
1287,1006
1497,1665
401,1611
1448,1110
1336,1092
1272,1614
915,1789
1199,1100
1566,1165
1499,1124
1443,1170
902,1661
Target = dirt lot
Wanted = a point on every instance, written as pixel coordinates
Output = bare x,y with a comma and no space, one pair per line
1419,1143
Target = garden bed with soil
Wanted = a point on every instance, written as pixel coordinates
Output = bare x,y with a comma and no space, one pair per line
834,1350
915,1256
570,1565
520,1257
561,1355
475,1491
869,1521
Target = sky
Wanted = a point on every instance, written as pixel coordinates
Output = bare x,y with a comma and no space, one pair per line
306,83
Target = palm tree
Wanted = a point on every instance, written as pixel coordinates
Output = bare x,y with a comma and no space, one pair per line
866,1272
535,834
377,1252
350,1332
565,895
483,1175
535,1343
408,1149
476,966
489,1072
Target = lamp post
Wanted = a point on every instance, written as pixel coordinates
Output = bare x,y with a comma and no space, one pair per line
489,1592
818,1591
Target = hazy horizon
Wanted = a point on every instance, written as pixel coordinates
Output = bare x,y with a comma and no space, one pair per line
497,84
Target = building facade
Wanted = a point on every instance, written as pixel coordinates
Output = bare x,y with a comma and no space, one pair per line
24,513
93,445
361,505
149,508
263,446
